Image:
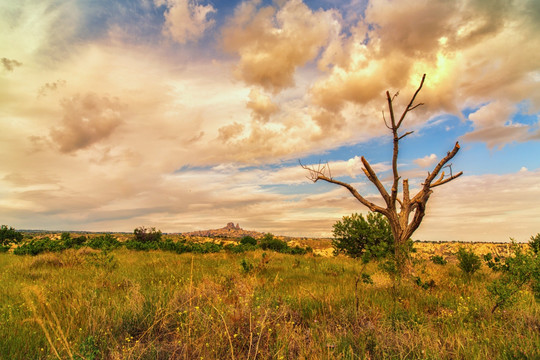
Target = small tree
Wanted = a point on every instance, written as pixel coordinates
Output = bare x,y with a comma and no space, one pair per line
401,223
145,235
8,236
520,269
468,261
534,244
368,237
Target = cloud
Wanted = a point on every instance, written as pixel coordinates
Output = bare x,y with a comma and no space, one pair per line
493,126
461,45
426,161
186,20
273,42
51,87
467,209
87,120
261,105
9,64
230,131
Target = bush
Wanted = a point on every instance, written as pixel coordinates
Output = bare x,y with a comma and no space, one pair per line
297,250
438,259
269,242
358,237
240,248
534,244
468,261
248,240
517,271
104,242
39,246
206,248
9,236
70,242
141,246
246,266
145,235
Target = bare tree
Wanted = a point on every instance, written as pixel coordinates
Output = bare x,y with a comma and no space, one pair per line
411,210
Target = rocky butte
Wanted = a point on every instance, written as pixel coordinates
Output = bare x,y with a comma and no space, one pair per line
229,231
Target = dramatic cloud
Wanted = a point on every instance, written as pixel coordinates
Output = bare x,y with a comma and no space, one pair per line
10,65
186,20
462,46
87,119
273,42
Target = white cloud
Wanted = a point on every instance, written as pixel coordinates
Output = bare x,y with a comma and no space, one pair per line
493,126
186,20
426,161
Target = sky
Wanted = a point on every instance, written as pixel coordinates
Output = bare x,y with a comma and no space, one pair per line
186,115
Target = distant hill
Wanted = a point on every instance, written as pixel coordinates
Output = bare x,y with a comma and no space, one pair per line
229,231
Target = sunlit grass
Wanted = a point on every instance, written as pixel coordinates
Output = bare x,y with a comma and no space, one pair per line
160,305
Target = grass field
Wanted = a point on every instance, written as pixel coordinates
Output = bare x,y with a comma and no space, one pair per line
83,304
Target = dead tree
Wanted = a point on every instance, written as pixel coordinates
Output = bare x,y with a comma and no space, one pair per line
411,210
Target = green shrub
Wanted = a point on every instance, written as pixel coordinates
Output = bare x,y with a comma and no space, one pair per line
240,248
35,247
206,248
104,242
9,236
534,244
178,247
369,237
297,250
468,261
246,266
518,270
269,242
438,259
141,246
248,240
70,242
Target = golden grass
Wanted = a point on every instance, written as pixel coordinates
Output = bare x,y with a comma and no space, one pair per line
157,305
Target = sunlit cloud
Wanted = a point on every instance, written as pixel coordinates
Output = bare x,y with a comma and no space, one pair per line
186,20
273,42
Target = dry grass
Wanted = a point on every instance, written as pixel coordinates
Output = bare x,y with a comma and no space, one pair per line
158,305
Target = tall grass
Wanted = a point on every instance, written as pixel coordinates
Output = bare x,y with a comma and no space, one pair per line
159,305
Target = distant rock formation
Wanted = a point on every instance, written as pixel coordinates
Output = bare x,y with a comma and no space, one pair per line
229,231
231,226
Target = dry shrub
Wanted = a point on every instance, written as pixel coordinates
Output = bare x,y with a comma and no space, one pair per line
86,251
46,260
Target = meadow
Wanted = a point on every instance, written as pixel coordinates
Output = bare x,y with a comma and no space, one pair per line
126,304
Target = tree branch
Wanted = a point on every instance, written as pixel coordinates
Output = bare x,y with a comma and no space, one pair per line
410,106
435,172
372,176
444,181
407,133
